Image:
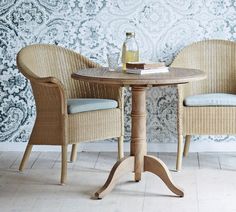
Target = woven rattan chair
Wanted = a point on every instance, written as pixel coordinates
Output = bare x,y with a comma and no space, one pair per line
218,59
49,69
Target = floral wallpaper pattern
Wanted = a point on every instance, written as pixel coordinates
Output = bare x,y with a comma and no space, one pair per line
162,27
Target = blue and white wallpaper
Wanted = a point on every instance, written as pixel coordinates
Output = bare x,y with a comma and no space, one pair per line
162,27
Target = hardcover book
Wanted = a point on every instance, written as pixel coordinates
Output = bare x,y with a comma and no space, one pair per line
148,71
145,68
143,65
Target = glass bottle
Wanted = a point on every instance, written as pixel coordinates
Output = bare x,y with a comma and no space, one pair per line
130,50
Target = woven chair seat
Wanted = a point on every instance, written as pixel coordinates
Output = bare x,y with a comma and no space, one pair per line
211,99
89,104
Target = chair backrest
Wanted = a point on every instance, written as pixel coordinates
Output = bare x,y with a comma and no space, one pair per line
44,60
217,58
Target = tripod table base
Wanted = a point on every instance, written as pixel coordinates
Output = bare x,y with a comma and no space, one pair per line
125,165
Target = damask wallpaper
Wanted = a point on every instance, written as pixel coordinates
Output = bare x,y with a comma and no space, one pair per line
162,27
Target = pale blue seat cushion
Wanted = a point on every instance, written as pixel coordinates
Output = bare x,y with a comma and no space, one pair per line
211,99
85,104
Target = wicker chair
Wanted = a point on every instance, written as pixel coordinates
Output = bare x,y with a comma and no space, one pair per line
218,59
49,69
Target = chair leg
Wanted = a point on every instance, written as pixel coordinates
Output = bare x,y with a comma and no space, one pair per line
63,164
26,156
120,147
73,155
186,145
179,153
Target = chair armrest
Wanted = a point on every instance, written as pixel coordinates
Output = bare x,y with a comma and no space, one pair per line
47,80
49,94
51,111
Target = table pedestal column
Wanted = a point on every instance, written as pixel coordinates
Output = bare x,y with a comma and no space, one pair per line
138,161
138,145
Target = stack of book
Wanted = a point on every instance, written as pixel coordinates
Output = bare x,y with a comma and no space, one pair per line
145,68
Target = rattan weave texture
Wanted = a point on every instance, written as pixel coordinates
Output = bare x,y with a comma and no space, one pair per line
218,59
49,69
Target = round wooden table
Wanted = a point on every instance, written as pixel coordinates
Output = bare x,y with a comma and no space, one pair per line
138,161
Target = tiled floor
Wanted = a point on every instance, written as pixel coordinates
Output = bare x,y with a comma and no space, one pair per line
209,181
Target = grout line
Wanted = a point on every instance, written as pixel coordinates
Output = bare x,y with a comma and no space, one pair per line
96,160
198,160
55,161
18,155
218,156
35,160
144,195
197,193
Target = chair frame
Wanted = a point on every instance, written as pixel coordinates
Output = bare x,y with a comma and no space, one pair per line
217,58
48,68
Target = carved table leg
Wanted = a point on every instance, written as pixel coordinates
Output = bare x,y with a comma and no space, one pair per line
157,167
121,167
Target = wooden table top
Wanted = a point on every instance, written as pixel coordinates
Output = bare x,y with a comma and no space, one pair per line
104,76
